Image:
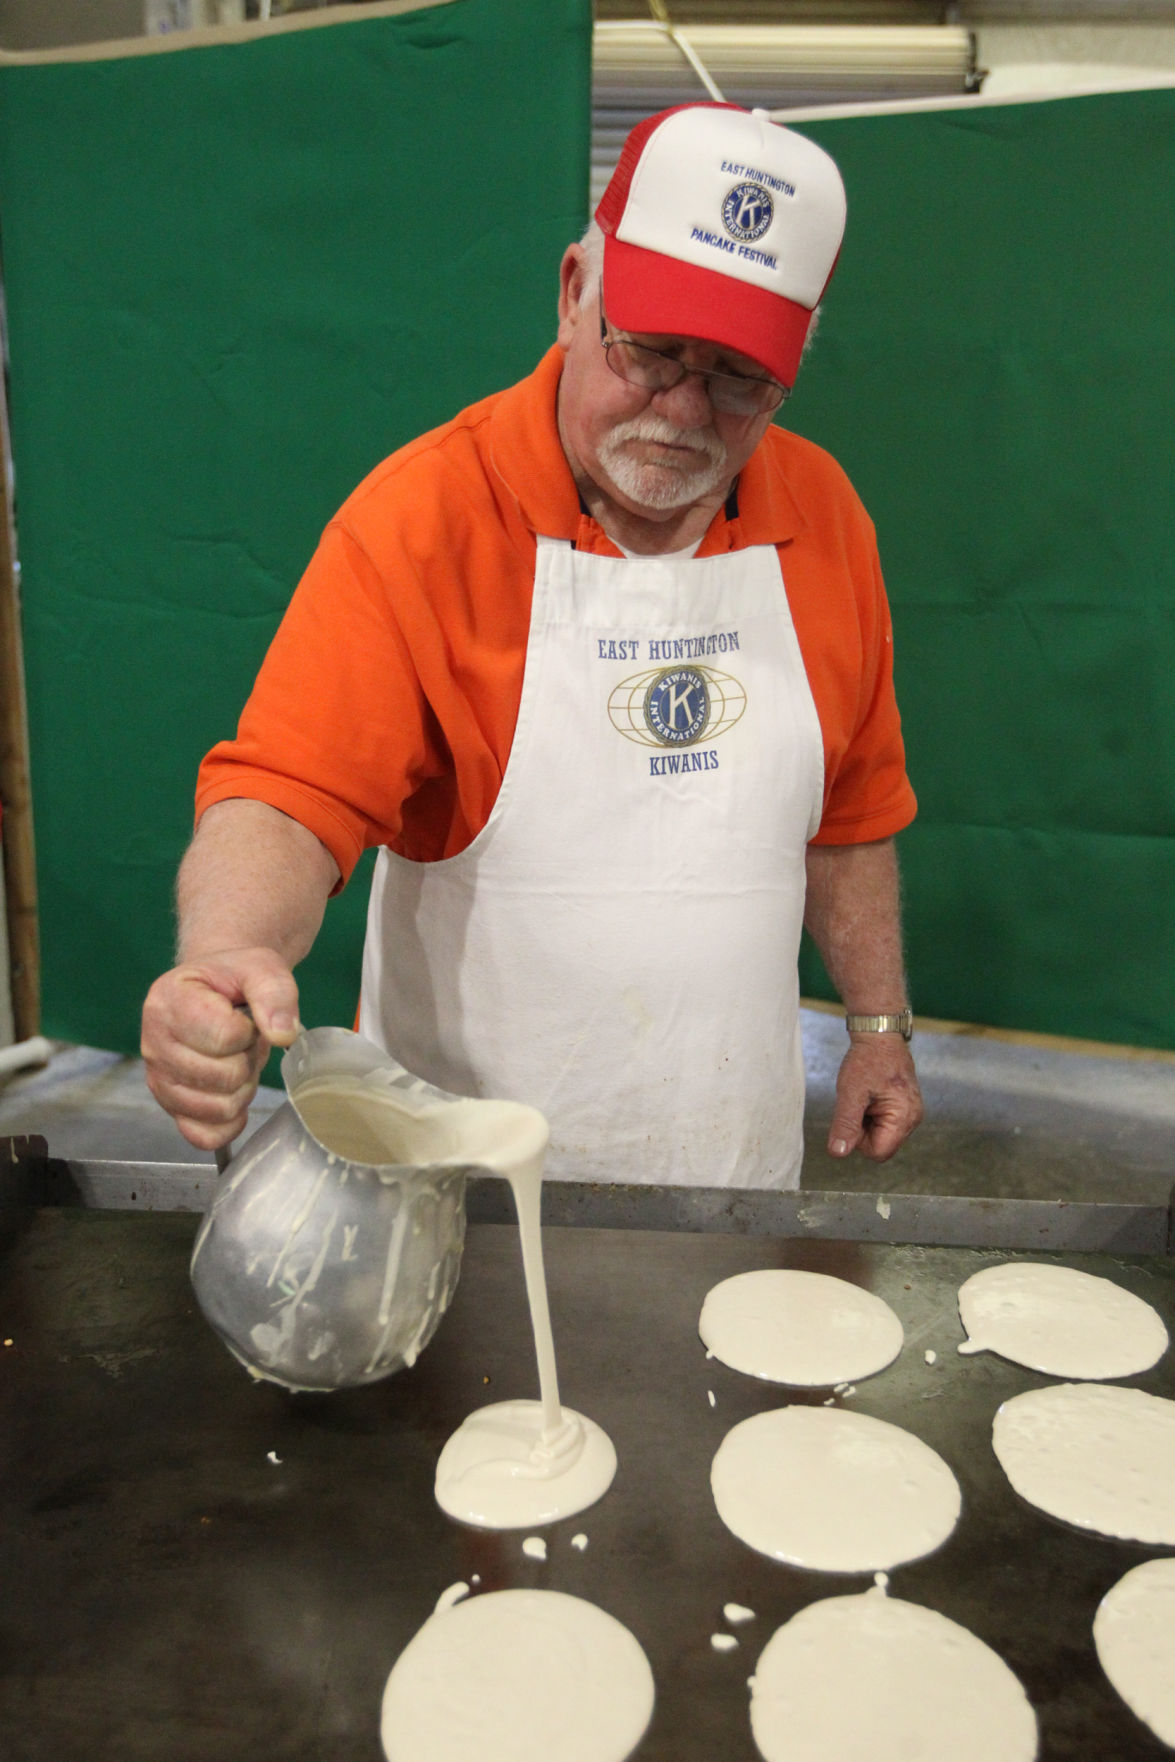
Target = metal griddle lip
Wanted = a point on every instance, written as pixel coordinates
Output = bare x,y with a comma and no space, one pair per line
30,1176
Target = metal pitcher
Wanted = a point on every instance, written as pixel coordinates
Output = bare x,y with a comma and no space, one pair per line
333,1246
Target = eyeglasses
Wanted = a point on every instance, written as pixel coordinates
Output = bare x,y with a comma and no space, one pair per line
737,394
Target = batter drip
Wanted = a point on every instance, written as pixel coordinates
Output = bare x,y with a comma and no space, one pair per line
518,1463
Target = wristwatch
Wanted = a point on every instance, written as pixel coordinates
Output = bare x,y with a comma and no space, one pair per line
902,1023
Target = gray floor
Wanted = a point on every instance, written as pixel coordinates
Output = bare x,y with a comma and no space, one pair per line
1005,1117
1011,1118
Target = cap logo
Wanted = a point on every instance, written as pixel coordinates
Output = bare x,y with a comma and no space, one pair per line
747,212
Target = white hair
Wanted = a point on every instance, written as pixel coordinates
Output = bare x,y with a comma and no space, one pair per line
592,246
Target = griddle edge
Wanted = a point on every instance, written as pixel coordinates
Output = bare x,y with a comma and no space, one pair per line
29,1175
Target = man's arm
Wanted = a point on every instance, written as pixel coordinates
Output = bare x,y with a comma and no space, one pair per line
251,894
852,913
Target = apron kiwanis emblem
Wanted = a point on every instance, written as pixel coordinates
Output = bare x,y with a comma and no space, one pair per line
676,706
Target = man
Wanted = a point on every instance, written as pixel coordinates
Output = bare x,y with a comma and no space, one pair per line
604,667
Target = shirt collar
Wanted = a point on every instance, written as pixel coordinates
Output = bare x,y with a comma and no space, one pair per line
527,453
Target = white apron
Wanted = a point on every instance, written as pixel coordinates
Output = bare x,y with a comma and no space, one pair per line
618,945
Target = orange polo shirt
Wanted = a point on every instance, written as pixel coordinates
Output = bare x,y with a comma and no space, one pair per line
385,708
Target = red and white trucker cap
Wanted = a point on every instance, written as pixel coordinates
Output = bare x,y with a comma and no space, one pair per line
721,224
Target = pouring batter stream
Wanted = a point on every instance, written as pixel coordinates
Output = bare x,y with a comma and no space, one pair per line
518,1463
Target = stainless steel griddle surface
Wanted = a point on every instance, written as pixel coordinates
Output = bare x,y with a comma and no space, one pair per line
170,1591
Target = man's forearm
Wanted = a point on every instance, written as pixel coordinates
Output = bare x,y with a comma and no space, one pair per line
252,878
853,914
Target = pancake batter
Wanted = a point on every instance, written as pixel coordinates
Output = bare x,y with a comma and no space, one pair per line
518,1676
1134,1632
873,1679
833,1491
1096,1456
806,1329
1060,1321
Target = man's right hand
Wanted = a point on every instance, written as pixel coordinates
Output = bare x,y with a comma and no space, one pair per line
203,1051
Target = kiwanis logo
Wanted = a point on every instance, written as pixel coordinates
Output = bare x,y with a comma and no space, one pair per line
676,706
747,211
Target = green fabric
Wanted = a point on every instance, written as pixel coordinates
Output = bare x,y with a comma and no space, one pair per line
237,277
996,371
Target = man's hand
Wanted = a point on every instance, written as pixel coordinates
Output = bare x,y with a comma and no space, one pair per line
252,889
878,1102
204,1052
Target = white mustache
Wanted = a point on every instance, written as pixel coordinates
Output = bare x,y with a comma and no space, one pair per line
651,427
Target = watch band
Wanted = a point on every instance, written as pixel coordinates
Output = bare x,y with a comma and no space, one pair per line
902,1023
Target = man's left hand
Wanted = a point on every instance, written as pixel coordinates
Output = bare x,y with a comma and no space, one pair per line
878,1101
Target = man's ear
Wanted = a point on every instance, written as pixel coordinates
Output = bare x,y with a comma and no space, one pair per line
572,280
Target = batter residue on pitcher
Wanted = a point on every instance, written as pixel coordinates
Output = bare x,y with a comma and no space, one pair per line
806,1329
1094,1455
518,1676
518,1463
874,1679
1060,1321
1134,1632
831,1490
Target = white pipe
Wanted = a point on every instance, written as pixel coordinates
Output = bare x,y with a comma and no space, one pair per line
25,1054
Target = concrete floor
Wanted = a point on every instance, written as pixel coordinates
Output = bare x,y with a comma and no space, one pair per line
1010,1117
1006,1116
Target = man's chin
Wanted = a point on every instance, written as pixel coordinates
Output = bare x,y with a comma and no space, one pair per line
660,489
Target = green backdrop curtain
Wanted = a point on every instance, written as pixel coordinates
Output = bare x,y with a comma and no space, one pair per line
997,374
237,277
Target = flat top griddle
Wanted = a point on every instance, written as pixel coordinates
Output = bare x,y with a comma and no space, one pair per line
171,1591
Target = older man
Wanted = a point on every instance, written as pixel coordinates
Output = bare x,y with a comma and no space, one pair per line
603,666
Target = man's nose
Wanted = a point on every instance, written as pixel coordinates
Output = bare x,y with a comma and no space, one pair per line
687,403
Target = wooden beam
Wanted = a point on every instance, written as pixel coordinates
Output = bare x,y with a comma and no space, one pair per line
20,869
